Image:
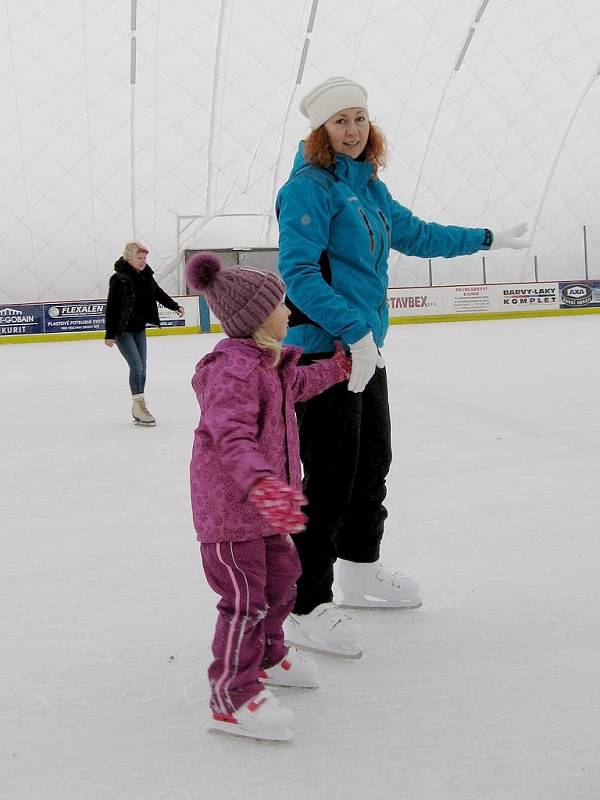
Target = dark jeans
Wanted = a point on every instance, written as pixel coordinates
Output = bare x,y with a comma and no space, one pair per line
346,451
132,347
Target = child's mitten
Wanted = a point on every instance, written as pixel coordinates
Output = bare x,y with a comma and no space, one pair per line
278,502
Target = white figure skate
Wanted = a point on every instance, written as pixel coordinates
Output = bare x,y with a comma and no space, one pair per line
140,413
374,586
324,630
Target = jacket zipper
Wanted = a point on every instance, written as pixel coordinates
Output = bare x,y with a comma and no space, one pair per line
382,308
385,223
371,234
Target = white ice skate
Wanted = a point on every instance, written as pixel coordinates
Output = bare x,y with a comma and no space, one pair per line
262,717
140,413
374,586
324,630
294,669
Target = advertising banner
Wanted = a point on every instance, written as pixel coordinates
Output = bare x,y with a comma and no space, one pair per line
579,294
470,299
81,316
414,302
19,320
421,303
170,319
526,296
484,299
70,317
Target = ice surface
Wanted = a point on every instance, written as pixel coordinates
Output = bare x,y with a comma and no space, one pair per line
489,692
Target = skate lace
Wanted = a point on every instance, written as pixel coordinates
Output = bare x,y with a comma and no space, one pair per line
395,577
143,408
383,573
336,618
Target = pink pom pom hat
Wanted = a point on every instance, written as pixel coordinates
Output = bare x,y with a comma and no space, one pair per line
241,297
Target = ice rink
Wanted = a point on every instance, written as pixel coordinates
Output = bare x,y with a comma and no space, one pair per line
490,691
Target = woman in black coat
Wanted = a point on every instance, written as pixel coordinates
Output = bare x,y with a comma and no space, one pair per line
131,305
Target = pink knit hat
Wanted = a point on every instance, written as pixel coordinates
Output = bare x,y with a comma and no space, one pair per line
242,298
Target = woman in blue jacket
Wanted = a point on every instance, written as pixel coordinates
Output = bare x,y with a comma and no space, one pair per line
337,223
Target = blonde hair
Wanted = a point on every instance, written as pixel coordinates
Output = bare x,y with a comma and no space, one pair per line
267,342
131,250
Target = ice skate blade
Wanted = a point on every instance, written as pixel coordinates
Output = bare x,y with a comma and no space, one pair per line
270,682
315,646
369,601
280,735
144,424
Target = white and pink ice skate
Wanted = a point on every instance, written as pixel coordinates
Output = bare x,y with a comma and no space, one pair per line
261,717
294,669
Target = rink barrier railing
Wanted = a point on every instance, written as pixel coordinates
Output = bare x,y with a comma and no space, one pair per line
69,320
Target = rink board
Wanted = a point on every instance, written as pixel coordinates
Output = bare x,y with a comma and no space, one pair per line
64,320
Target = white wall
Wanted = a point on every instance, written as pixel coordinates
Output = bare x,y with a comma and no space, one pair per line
211,125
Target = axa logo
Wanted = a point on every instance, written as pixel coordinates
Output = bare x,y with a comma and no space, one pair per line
576,294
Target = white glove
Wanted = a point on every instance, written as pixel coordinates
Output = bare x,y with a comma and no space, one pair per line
511,237
364,360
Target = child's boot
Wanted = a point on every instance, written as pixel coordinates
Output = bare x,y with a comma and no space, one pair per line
294,669
261,717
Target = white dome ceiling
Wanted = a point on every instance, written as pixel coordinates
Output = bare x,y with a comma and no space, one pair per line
491,109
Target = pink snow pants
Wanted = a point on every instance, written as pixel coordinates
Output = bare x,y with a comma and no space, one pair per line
256,581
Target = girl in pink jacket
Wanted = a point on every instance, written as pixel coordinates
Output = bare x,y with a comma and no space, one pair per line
246,492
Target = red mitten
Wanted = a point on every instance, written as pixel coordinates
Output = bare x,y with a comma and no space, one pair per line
343,361
277,502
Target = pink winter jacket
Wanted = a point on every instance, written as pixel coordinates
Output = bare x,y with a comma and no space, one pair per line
247,431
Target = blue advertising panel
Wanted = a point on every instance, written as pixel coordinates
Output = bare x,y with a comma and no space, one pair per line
87,315
579,294
19,320
170,319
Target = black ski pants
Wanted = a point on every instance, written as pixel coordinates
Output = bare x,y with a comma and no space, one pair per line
346,451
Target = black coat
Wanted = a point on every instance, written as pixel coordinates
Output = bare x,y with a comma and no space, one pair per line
132,297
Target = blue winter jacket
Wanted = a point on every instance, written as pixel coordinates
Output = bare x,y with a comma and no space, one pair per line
336,228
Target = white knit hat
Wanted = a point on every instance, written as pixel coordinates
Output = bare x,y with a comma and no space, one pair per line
331,96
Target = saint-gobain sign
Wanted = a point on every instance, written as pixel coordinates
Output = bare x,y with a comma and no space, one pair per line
21,319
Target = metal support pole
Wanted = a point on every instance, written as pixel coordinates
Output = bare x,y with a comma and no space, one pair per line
535,268
585,252
430,274
484,275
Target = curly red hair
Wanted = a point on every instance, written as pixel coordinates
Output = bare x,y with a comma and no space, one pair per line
318,149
